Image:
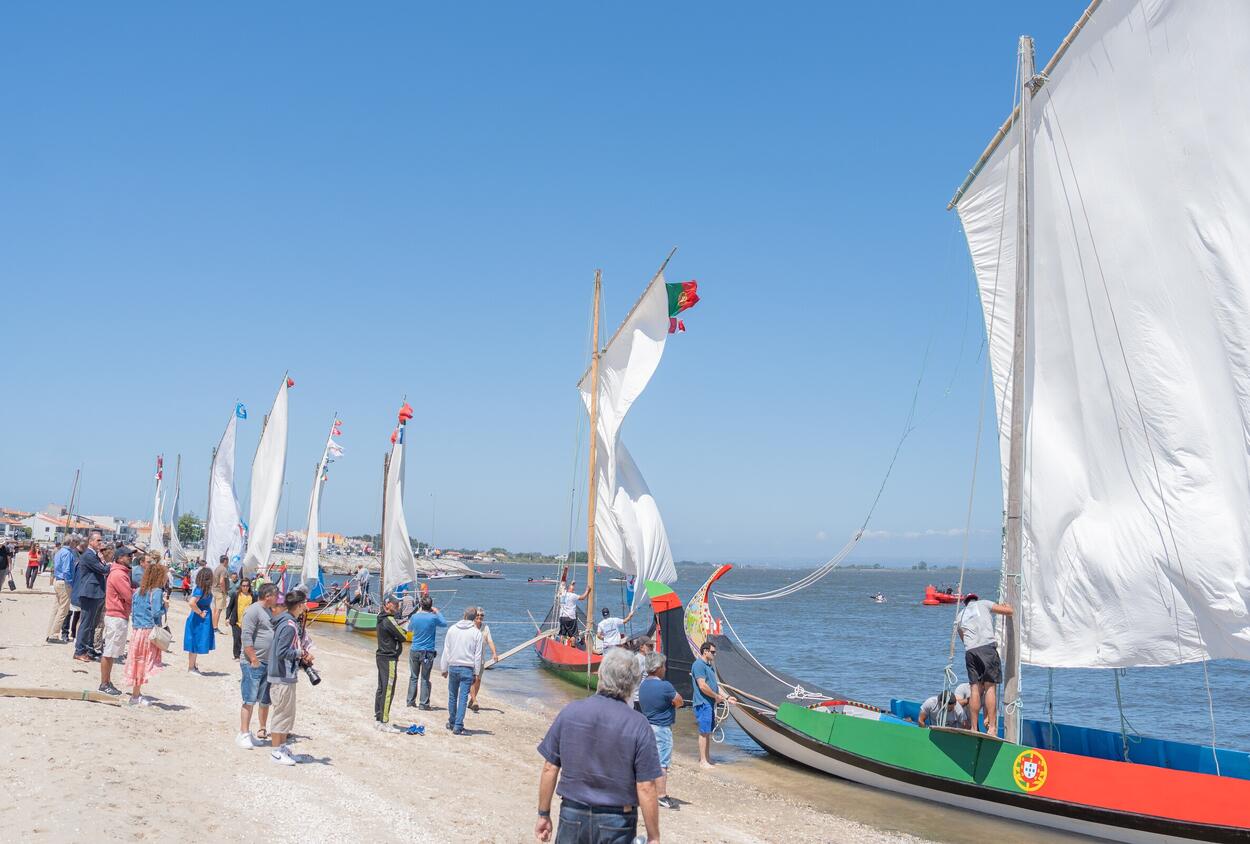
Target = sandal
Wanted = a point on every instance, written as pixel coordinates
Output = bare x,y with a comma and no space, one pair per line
262,735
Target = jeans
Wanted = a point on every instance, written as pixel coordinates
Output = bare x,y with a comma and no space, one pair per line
580,824
386,688
31,573
459,680
419,665
85,639
237,634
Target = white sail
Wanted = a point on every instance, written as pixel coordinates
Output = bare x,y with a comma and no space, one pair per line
1137,450
629,533
268,475
398,562
311,570
176,553
223,532
156,542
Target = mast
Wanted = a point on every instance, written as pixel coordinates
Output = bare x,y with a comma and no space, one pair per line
593,493
1012,564
208,513
69,510
386,467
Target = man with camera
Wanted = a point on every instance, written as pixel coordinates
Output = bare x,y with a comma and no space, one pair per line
286,657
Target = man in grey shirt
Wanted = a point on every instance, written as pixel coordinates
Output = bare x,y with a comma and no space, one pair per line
257,636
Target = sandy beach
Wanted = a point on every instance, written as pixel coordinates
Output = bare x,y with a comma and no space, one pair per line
76,770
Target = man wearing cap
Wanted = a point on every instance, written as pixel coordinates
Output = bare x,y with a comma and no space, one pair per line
391,640
611,629
985,670
117,597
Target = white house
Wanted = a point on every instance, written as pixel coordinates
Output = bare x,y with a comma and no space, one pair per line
45,528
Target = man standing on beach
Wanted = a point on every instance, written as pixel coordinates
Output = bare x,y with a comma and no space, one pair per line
88,594
117,599
62,583
985,669
602,782
706,694
460,663
257,638
286,655
424,625
659,702
390,645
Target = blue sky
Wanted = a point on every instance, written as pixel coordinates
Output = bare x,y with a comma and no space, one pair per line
411,199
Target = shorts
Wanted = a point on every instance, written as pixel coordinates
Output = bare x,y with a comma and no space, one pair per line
254,685
984,665
663,744
115,632
282,710
568,627
703,717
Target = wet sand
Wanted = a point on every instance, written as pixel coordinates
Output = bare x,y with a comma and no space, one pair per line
77,770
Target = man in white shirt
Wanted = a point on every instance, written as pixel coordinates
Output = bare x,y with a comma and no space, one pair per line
612,629
985,670
932,714
567,600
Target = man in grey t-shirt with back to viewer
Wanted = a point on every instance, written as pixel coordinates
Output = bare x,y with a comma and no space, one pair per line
985,669
257,636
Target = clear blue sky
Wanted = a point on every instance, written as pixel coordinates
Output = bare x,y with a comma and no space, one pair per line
401,198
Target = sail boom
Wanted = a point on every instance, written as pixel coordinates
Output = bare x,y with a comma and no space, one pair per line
1001,134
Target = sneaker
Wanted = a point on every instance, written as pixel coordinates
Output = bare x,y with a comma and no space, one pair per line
110,689
51,641
448,725
140,701
282,756
384,727
245,740
667,802
425,707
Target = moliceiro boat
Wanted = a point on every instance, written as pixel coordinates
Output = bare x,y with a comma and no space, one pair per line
1107,223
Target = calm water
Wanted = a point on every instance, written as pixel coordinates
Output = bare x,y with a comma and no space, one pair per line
832,635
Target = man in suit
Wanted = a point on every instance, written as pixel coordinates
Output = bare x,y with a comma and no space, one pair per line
88,595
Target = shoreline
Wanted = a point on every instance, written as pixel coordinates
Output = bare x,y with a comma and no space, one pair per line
83,768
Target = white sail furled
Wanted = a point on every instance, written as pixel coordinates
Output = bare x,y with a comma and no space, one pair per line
629,533
177,555
398,562
156,541
311,571
1137,444
223,531
268,475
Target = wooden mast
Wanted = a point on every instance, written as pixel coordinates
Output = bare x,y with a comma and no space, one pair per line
1012,563
593,489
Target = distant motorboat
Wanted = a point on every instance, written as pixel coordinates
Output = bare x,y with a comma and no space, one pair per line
877,598
934,597
541,580
493,574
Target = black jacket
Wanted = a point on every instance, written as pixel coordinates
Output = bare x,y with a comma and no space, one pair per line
89,576
391,638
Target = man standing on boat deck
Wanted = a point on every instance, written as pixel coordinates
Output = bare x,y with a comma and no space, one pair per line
605,781
568,599
612,629
424,625
706,694
390,645
985,670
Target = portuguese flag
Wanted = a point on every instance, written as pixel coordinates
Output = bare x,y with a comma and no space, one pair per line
682,296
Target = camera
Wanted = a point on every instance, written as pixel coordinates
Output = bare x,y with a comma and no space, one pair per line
314,676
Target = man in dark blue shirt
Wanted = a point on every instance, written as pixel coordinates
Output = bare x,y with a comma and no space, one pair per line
602,754
659,702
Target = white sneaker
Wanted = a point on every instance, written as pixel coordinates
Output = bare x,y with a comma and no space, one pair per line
244,740
282,756
140,701
384,727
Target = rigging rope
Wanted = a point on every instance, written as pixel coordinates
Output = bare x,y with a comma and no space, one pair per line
797,693
1128,733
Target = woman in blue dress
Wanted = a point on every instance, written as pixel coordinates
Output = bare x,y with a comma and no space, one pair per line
197,636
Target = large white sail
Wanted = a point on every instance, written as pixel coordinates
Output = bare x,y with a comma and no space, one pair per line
177,555
223,532
398,561
311,570
268,475
629,533
1137,449
156,541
